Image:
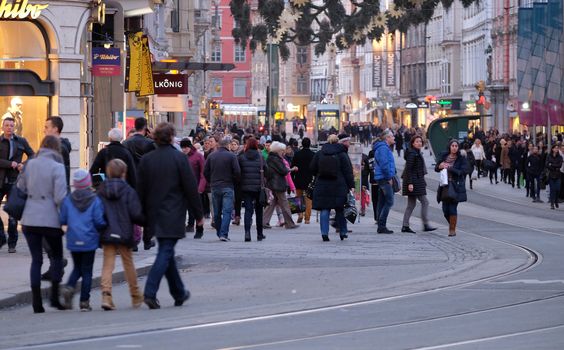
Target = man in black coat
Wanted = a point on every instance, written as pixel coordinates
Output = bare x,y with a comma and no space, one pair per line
534,170
115,150
138,144
12,149
302,160
167,189
54,127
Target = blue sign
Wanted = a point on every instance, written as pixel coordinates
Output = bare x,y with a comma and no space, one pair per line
106,62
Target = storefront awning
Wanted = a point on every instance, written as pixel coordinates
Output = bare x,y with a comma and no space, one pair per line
23,82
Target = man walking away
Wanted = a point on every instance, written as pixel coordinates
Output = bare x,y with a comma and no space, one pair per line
167,188
138,144
384,170
222,172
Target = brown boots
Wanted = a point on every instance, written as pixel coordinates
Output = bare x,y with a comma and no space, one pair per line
107,302
452,225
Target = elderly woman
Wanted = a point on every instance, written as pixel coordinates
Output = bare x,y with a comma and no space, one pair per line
332,168
457,168
276,182
45,183
114,150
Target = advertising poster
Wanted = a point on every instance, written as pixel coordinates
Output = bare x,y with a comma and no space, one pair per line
147,85
133,62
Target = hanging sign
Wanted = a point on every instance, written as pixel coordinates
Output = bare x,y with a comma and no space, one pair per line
106,62
147,87
376,70
170,84
133,65
20,9
391,69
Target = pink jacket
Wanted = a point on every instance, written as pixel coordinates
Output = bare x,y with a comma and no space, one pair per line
289,176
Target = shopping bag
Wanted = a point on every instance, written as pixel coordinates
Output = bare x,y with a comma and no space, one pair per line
297,204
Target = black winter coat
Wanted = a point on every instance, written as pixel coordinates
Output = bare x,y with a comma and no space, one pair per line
167,188
250,163
276,174
329,193
139,145
302,159
112,151
534,165
553,164
122,209
456,173
414,174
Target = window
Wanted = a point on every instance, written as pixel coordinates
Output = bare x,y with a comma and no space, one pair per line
216,20
175,17
302,85
216,87
239,53
239,87
216,53
301,55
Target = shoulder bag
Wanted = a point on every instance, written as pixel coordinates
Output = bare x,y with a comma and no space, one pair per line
263,196
15,204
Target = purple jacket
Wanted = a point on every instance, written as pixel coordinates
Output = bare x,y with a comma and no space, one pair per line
196,161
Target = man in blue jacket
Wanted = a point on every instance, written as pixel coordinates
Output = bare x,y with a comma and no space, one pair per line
384,170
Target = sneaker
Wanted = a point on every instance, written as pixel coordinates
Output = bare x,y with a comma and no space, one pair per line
407,229
266,226
224,239
85,306
428,228
11,250
179,302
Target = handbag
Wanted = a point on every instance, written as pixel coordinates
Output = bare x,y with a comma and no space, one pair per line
297,204
15,204
448,193
396,184
310,187
350,211
263,196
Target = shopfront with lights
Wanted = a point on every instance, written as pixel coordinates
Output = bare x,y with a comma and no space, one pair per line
43,70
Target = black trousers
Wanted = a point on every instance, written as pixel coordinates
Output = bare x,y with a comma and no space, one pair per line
374,194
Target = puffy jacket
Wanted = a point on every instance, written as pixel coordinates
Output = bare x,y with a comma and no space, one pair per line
384,164
250,163
553,164
276,174
83,213
122,209
414,174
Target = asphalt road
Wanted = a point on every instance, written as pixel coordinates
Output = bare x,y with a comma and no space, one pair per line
498,285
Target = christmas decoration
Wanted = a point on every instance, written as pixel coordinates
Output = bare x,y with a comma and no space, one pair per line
320,23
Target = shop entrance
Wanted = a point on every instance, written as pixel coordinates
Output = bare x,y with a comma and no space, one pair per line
25,88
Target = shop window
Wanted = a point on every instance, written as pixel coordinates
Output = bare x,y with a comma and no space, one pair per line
30,112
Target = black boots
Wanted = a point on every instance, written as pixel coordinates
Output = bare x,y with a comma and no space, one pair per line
55,303
37,302
247,236
407,229
260,237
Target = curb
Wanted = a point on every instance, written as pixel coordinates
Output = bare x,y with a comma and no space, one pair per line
25,298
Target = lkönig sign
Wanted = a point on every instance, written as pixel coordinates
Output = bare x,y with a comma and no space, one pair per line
20,9
170,84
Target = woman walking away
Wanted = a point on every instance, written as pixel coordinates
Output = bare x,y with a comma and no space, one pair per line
122,209
277,183
553,164
335,179
83,213
253,168
457,168
44,181
414,185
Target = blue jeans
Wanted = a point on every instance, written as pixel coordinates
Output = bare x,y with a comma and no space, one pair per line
385,202
251,200
534,186
554,189
339,217
83,266
223,206
165,265
35,243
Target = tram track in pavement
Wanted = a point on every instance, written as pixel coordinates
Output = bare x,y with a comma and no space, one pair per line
534,258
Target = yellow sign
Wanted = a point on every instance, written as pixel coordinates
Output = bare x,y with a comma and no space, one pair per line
279,116
147,86
20,9
133,77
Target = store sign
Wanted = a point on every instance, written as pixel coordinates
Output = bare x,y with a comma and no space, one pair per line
20,9
170,84
106,62
376,70
411,106
423,104
391,69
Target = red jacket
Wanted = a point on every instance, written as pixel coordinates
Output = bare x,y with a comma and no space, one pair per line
196,160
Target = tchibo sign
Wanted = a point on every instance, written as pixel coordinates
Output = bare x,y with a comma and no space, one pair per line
170,84
20,9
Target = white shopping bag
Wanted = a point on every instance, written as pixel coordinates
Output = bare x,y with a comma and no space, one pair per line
444,177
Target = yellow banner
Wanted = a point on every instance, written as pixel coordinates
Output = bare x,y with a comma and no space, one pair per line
134,59
147,86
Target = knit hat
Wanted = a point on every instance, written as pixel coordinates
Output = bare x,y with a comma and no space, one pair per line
344,138
81,179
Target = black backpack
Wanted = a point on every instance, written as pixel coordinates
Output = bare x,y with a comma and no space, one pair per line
328,166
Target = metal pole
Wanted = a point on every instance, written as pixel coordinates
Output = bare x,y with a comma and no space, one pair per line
269,114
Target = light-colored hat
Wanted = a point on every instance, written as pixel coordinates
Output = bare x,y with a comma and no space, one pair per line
81,179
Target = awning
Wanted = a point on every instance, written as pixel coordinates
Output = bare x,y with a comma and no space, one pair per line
24,82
